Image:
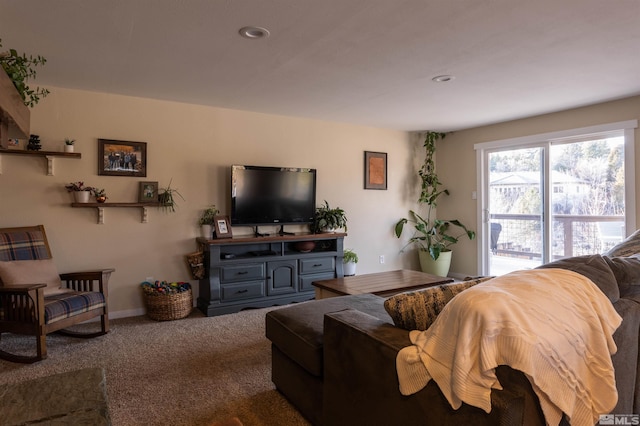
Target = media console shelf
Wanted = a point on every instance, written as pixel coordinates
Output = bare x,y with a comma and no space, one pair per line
257,272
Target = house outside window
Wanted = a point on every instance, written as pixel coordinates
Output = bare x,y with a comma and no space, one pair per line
578,179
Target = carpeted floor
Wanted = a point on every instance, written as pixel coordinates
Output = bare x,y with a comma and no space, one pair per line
193,371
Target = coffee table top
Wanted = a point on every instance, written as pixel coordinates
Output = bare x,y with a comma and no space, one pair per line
381,283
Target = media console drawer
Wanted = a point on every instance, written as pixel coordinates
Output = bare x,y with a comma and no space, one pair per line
317,264
244,290
246,272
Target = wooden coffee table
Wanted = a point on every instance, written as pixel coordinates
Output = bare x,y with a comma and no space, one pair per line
381,284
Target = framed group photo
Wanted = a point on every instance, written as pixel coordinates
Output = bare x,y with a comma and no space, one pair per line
122,158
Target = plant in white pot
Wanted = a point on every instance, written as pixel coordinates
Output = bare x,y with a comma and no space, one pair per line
433,236
350,259
80,192
206,221
68,144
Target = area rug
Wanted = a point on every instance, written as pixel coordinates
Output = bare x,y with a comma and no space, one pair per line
194,371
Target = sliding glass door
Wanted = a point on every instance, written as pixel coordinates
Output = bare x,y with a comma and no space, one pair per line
543,200
516,190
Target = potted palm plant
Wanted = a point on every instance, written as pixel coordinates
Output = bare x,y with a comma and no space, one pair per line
206,221
433,236
327,219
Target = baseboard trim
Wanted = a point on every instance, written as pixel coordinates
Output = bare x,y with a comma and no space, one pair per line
127,313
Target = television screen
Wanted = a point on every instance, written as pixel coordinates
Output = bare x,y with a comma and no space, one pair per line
272,195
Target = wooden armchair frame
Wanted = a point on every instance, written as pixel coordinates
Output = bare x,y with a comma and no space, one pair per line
22,307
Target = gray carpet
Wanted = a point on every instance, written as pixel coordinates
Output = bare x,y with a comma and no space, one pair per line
193,371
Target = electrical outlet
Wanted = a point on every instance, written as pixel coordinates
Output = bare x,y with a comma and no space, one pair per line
149,279
382,258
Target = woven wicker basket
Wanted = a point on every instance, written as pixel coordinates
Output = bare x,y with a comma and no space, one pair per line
167,307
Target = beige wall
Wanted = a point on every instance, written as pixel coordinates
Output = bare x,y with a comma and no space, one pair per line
194,146
456,160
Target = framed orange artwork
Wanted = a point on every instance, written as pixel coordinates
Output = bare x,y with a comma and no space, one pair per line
375,170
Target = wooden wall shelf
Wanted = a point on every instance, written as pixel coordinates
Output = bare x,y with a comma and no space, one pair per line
49,155
102,206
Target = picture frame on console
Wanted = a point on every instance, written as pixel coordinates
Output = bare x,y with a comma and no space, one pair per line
375,170
222,226
122,158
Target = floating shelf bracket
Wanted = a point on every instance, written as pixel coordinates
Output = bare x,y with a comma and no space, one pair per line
101,206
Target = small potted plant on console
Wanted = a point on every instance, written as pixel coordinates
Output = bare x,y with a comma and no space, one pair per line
206,221
327,219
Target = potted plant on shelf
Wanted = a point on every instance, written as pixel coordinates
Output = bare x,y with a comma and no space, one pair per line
81,192
20,68
327,219
350,259
432,236
100,194
166,199
206,221
68,145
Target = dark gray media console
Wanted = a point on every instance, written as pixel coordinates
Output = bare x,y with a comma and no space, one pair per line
257,272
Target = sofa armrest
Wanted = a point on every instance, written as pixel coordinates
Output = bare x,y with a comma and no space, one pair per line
361,382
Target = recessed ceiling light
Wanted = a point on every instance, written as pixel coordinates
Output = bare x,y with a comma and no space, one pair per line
443,78
254,32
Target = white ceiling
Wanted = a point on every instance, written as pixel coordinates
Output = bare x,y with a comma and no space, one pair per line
367,62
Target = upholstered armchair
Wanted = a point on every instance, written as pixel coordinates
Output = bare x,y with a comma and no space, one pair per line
35,300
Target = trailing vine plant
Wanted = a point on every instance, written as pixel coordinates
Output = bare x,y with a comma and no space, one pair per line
20,68
431,234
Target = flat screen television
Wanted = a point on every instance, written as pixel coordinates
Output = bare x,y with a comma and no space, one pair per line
272,195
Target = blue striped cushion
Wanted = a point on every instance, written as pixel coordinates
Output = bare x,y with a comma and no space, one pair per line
65,305
23,245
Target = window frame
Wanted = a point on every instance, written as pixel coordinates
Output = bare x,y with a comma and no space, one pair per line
546,140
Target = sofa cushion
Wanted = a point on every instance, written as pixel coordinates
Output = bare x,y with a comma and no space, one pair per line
628,247
594,267
626,270
298,330
42,271
416,310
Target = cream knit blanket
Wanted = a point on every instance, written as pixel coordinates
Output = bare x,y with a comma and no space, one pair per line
554,325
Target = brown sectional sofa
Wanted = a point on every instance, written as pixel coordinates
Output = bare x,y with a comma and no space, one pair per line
334,359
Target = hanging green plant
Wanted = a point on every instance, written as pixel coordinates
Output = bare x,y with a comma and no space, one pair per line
166,197
20,68
431,234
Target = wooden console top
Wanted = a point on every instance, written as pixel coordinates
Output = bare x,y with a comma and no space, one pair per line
381,283
298,236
